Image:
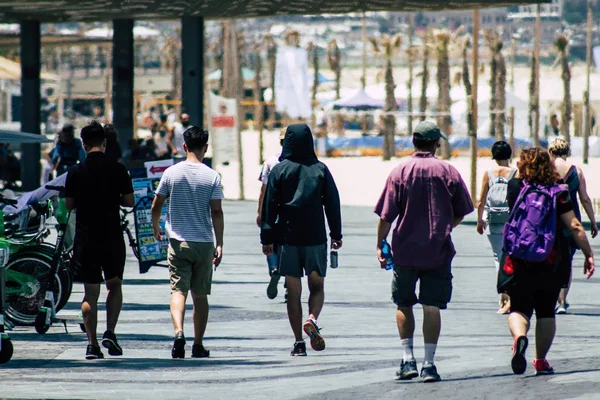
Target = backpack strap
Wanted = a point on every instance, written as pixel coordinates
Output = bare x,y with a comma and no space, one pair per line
491,176
512,174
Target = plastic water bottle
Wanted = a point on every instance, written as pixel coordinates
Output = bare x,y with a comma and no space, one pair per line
333,258
386,252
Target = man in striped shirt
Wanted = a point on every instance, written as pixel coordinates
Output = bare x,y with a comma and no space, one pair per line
193,212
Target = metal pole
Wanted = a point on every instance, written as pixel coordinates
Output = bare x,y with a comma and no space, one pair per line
513,59
511,139
410,73
536,93
588,111
364,51
475,107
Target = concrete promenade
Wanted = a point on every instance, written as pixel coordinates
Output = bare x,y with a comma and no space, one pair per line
250,339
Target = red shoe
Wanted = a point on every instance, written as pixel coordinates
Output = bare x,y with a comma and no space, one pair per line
543,367
316,340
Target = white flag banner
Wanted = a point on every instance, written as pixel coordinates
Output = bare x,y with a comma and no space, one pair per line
223,128
596,51
292,94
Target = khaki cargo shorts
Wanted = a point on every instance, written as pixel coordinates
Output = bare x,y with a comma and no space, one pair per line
190,266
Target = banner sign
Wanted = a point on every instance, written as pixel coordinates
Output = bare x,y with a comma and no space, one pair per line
372,146
224,125
151,251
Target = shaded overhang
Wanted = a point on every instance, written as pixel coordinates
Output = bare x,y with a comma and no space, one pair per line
105,10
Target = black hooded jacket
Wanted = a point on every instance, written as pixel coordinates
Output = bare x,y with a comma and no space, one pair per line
299,188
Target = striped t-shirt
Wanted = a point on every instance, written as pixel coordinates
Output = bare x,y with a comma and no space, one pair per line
190,187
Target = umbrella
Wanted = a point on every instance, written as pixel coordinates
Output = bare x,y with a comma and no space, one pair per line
22,137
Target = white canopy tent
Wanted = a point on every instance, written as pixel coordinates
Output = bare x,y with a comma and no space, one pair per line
459,112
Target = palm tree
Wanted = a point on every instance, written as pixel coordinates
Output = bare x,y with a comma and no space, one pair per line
443,39
172,48
259,110
497,85
313,52
424,78
388,47
334,59
466,79
532,100
490,38
271,47
562,44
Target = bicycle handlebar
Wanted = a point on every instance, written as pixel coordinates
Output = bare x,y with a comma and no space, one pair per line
55,188
8,202
136,205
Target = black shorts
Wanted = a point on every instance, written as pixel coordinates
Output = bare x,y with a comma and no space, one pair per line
93,257
435,287
534,289
299,260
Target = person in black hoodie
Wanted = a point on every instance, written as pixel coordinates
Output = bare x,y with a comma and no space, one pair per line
299,188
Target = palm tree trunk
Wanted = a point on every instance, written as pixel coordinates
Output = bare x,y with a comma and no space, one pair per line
468,89
389,146
443,105
493,89
315,60
424,83
272,62
567,104
532,106
259,110
500,119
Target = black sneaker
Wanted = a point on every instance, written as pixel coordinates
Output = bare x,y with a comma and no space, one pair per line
109,340
430,374
178,350
408,370
198,351
93,352
518,362
299,349
314,333
272,288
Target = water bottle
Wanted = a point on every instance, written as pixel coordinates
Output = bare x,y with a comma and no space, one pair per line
386,252
333,258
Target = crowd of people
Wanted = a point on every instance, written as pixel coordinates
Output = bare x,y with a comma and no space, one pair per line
530,214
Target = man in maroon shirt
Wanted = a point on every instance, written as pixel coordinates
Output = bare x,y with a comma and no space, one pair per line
429,199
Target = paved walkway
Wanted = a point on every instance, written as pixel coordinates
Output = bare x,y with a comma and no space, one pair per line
250,339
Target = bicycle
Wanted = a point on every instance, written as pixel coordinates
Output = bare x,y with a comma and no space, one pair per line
29,264
61,258
6,346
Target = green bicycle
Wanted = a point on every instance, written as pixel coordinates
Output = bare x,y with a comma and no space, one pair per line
29,264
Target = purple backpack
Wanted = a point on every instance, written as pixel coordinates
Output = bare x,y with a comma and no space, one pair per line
530,232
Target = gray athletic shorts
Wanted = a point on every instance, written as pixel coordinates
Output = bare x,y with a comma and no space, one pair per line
299,260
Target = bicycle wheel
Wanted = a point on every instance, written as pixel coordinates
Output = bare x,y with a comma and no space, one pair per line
63,273
24,294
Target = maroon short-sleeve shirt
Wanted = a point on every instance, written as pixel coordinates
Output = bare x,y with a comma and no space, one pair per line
425,195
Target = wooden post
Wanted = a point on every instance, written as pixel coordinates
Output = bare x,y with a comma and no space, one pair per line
511,139
513,56
410,73
136,102
578,119
536,95
363,78
108,97
475,110
588,112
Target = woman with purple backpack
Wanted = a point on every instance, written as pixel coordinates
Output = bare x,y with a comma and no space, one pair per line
573,177
535,264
